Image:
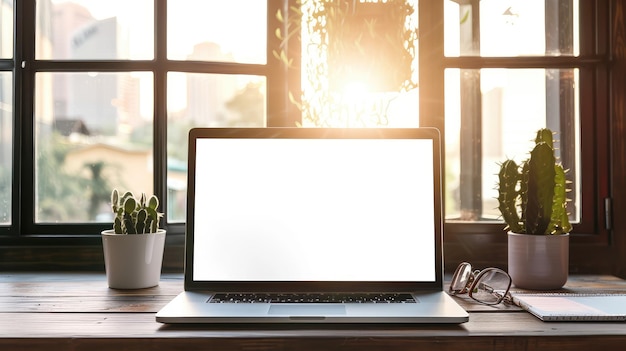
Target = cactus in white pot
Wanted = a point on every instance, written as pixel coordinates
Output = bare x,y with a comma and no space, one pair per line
532,196
132,260
135,216
533,203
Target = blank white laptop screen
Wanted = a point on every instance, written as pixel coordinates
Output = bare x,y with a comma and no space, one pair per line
314,210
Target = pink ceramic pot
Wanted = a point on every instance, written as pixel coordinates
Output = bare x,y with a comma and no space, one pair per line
538,262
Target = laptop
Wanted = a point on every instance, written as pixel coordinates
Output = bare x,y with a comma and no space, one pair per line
313,225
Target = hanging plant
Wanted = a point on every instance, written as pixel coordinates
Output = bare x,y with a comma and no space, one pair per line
346,42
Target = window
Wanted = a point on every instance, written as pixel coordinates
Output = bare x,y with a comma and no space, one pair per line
6,141
510,68
494,110
96,80
6,110
96,95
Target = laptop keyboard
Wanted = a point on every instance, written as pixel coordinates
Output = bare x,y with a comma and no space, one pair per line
312,298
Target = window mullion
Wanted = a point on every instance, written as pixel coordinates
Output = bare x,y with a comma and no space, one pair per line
281,79
24,189
471,152
160,100
431,66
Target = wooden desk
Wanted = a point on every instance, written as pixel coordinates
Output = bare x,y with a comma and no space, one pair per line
76,311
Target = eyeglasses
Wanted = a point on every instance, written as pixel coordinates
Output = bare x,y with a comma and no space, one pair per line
489,286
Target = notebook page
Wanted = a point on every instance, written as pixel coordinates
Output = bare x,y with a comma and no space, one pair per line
573,306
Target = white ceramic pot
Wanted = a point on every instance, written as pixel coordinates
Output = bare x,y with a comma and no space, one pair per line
133,261
538,262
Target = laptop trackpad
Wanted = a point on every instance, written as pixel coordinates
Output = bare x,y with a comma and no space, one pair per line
300,310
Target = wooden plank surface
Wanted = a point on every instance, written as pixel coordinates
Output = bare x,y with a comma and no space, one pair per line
79,312
143,325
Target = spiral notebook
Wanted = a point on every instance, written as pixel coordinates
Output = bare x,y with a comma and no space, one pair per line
553,307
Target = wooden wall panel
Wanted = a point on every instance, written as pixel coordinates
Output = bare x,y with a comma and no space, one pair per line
618,120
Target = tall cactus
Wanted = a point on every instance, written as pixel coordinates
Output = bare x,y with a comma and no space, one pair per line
134,216
532,197
559,223
509,178
541,183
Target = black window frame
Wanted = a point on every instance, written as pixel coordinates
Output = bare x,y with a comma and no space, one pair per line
55,246
484,243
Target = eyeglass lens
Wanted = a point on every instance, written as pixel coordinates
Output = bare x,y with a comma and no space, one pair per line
490,286
461,278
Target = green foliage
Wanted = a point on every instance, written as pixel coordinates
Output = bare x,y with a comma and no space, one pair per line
98,186
340,36
508,194
134,216
532,197
60,194
541,183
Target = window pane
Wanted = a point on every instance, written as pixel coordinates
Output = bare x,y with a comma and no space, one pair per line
93,133
359,63
95,30
6,146
205,100
224,31
511,28
6,29
496,113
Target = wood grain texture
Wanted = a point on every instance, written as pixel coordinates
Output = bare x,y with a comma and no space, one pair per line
618,126
77,311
